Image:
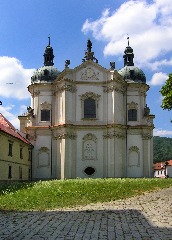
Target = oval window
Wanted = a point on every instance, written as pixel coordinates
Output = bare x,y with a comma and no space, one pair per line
89,171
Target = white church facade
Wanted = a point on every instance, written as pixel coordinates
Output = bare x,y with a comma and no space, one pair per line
89,122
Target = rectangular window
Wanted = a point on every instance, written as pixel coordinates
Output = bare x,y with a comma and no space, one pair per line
132,115
20,172
30,155
89,108
29,174
9,172
45,115
21,152
10,149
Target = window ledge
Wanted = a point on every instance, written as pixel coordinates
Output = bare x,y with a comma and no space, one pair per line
89,119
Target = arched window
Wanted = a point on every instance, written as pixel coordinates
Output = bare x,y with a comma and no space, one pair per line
89,105
89,108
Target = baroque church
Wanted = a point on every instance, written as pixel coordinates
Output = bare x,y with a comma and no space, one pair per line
89,122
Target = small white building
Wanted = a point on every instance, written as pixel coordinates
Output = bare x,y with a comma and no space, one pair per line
89,121
163,169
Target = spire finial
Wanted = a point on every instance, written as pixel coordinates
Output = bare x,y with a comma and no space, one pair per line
48,54
49,40
129,55
128,40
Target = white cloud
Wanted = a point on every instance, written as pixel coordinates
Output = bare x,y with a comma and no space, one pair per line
12,118
159,64
7,112
158,78
162,133
22,110
148,25
14,79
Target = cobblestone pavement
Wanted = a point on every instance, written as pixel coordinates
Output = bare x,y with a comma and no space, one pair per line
146,217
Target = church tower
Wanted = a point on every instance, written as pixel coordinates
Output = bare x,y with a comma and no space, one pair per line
89,121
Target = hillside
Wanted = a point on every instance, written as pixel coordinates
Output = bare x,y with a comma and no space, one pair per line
162,149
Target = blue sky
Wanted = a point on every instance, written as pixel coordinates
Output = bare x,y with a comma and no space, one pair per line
26,25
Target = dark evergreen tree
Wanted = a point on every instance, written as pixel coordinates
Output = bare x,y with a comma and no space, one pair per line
162,149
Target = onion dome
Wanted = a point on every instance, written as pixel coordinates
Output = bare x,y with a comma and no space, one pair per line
132,73
129,71
48,72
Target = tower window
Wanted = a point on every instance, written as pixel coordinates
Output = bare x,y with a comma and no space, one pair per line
132,115
45,115
89,108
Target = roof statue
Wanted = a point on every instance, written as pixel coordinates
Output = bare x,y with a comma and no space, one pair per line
89,55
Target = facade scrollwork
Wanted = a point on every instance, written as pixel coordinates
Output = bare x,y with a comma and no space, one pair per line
35,93
45,105
132,105
146,136
134,148
109,89
43,149
90,136
89,74
66,87
90,95
71,136
108,135
113,135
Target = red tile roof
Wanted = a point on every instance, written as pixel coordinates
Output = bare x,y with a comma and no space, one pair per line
7,127
161,165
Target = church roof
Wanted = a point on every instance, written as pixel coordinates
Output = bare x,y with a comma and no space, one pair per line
48,72
132,73
45,73
129,71
161,165
8,128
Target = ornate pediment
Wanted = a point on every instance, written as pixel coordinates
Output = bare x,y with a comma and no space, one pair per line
90,95
89,74
132,105
45,105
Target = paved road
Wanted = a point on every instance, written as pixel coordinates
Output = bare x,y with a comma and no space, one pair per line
147,217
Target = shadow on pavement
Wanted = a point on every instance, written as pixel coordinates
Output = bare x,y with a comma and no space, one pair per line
77,225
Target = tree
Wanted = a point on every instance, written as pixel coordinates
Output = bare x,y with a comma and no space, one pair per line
166,92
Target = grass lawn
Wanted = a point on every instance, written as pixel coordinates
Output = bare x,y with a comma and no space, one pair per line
44,195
